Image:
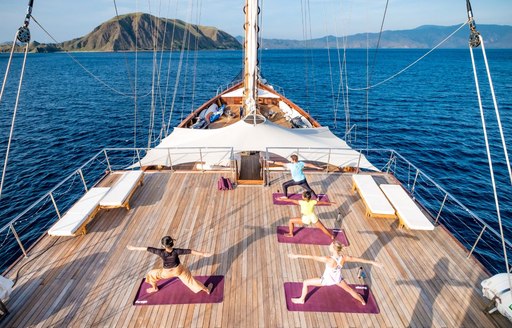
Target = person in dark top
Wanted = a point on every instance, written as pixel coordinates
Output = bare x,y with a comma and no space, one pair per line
172,266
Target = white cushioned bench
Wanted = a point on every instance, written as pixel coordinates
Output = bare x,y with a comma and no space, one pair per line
121,192
377,205
84,210
409,214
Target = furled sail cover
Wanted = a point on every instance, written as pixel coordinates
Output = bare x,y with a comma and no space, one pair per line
215,147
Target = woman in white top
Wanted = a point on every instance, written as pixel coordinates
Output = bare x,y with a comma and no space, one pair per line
332,274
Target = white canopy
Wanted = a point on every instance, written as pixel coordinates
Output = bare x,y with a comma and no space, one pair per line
240,92
214,147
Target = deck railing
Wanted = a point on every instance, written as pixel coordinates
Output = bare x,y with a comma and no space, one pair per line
21,232
477,236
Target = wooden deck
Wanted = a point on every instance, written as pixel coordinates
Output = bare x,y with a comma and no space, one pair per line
91,280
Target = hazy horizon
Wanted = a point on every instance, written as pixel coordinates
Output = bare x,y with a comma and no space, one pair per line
66,20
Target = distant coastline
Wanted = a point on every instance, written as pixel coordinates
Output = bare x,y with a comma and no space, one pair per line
126,32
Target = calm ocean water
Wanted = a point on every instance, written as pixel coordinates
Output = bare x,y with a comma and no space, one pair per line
429,114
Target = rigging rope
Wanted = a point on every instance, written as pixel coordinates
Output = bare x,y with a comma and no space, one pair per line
85,69
413,63
475,40
22,35
489,159
11,132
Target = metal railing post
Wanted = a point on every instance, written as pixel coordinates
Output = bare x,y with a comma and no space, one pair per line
55,205
201,159
442,205
414,182
390,161
83,179
138,158
476,242
108,162
18,240
232,165
359,161
328,160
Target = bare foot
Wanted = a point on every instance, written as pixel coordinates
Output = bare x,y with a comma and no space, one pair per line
297,301
209,288
288,234
151,290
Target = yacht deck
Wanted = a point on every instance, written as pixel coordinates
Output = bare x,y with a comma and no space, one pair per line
91,280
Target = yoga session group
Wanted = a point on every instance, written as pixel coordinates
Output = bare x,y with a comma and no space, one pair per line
332,275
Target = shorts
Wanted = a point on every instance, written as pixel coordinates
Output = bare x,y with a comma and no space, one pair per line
309,219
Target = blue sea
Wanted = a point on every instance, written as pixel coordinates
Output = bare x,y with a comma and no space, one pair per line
71,106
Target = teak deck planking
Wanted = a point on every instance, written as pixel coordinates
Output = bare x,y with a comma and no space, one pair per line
91,280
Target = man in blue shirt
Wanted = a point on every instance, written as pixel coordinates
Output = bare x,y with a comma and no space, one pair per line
298,178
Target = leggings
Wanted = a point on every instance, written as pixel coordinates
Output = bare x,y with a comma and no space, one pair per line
303,183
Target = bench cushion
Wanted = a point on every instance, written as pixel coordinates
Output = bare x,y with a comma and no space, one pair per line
406,209
77,215
119,193
377,204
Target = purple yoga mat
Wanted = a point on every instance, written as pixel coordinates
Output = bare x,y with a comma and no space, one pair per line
173,291
330,299
276,201
315,236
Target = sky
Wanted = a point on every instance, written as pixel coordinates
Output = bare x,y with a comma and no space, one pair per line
282,19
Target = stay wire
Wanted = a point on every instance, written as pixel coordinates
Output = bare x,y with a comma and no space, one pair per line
87,70
8,69
489,160
11,132
412,64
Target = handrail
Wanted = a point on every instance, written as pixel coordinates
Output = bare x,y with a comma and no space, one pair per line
395,163
40,199
48,193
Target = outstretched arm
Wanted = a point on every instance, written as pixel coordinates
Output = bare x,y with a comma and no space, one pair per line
308,257
288,200
203,254
313,166
277,163
325,203
360,260
135,248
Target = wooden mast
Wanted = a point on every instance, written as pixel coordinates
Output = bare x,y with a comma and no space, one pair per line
251,57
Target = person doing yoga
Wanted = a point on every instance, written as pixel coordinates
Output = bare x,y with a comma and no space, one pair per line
172,266
296,168
307,206
332,274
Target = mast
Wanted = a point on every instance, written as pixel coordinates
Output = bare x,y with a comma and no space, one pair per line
251,28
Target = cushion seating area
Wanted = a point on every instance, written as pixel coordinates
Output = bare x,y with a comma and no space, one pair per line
121,192
409,214
376,203
84,210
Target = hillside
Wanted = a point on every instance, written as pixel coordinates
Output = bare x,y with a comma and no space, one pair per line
127,31
427,36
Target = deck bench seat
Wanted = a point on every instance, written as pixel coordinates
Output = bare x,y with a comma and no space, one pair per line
376,203
408,212
121,192
84,210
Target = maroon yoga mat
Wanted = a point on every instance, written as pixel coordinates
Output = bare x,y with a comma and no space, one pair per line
276,201
315,236
173,291
330,299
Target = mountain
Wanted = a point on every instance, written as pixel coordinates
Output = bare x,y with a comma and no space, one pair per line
125,32
427,36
